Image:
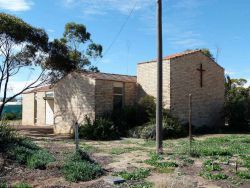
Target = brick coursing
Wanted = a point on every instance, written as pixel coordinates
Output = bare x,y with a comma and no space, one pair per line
147,80
180,77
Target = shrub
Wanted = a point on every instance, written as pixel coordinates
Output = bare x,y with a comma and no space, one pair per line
137,174
10,116
7,135
171,129
237,104
20,153
3,184
99,129
79,167
21,185
39,160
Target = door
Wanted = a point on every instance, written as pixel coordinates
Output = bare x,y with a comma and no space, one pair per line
49,112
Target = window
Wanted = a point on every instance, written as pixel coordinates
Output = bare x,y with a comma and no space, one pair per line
118,95
49,94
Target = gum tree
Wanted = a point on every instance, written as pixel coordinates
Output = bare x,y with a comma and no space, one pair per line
74,51
21,46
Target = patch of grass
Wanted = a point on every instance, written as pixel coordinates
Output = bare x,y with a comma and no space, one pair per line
21,185
119,151
39,160
154,161
214,176
144,184
210,170
244,174
245,161
89,148
137,174
217,146
148,143
79,167
210,166
3,184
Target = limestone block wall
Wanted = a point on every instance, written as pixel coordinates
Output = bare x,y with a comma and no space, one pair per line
40,108
73,99
28,109
208,100
104,95
147,80
130,92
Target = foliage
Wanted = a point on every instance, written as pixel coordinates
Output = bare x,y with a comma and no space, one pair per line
209,168
171,128
218,146
21,45
144,184
22,149
39,160
118,151
244,174
73,51
11,116
137,174
3,184
237,104
7,135
79,167
99,129
155,160
22,185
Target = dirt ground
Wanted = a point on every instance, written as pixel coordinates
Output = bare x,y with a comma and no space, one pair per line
114,156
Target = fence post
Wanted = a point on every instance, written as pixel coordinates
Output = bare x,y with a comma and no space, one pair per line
190,123
76,136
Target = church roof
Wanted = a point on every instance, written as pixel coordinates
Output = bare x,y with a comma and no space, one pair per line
174,56
109,76
40,89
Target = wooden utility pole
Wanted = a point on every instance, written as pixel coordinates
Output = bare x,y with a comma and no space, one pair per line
77,136
190,123
159,148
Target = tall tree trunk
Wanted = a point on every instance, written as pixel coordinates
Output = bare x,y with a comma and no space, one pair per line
4,95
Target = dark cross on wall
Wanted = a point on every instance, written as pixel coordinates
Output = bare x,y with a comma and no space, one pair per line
201,70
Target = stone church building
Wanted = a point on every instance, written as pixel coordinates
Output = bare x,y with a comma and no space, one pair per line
92,94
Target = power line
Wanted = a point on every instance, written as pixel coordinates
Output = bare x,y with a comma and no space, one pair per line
120,30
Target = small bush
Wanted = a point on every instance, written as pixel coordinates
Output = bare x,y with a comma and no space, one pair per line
244,174
99,129
155,161
10,116
137,174
21,185
171,129
7,135
79,167
20,153
3,184
39,160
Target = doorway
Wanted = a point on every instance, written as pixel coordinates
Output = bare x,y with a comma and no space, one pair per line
49,109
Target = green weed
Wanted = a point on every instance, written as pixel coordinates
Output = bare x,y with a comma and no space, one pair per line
21,185
39,160
244,174
137,174
79,167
